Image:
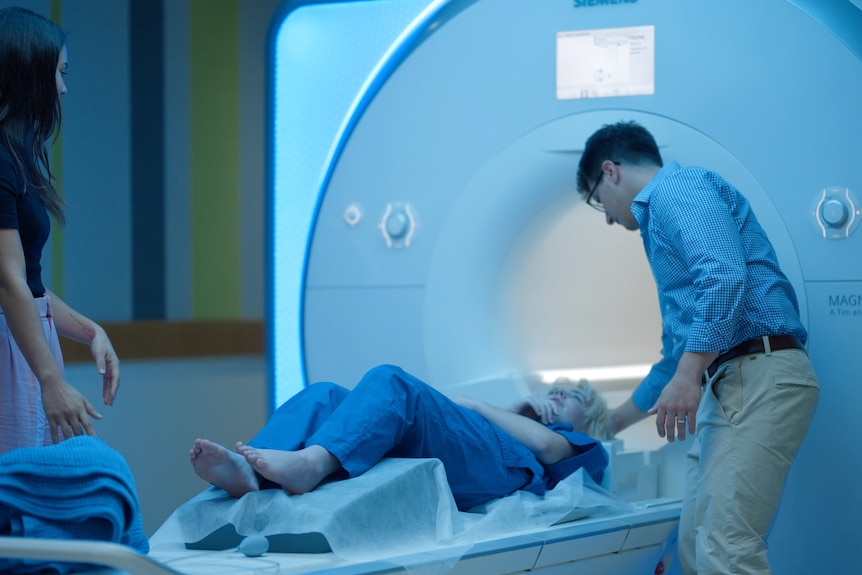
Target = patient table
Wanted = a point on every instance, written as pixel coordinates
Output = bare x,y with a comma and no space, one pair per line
638,540
621,545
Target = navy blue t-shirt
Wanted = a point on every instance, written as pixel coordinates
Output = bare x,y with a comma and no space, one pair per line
24,212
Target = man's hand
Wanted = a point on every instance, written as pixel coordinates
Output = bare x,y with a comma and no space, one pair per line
676,408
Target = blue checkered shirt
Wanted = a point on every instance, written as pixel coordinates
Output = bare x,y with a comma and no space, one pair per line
717,275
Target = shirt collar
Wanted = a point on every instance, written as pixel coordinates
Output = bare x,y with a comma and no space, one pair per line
668,169
641,200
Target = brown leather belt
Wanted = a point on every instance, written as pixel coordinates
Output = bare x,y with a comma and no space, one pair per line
753,346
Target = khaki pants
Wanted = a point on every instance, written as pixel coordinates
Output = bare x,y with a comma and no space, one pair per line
753,416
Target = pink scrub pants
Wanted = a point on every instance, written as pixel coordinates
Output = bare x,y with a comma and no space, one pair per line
22,418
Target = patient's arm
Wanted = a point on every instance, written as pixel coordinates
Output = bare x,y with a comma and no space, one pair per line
548,446
537,407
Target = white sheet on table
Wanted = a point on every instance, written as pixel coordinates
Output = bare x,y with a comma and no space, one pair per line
399,505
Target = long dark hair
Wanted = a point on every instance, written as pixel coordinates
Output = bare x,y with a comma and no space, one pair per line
30,47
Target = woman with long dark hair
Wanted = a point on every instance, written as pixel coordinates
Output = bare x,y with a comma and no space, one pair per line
37,405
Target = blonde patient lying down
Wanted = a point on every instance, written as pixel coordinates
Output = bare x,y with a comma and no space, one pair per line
328,432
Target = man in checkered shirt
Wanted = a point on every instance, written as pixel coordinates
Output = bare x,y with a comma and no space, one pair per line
734,372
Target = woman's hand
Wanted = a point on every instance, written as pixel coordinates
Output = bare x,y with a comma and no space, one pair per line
75,326
107,364
68,410
537,407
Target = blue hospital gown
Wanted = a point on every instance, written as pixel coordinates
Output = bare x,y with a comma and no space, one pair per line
391,413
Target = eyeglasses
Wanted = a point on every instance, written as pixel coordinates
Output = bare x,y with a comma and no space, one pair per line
594,203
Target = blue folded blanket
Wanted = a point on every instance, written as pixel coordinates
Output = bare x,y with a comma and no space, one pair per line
77,489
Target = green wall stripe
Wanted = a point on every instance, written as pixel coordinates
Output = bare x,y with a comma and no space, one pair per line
215,158
56,15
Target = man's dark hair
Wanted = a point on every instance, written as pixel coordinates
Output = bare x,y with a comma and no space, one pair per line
623,143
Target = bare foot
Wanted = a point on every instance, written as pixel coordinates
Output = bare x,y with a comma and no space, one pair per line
223,468
296,471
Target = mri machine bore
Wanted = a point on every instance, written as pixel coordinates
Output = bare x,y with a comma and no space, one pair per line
423,212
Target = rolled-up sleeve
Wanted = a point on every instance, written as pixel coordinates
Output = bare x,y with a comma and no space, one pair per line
589,455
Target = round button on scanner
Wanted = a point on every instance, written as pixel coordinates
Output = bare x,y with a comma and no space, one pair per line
398,225
833,213
352,215
836,212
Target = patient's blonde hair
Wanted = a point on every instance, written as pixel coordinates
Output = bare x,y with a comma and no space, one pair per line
597,420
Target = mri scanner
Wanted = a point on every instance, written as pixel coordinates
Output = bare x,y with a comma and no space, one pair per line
423,212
